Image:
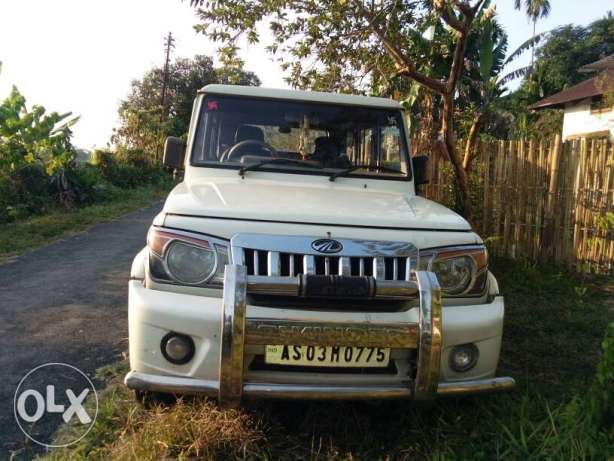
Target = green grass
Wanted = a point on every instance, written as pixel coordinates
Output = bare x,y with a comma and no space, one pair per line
555,324
35,231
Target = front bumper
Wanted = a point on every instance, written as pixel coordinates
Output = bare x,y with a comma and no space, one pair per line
224,337
187,386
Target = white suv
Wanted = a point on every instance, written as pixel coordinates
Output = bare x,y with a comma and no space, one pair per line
295,260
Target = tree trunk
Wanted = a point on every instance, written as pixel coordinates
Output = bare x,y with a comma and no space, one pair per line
427,129
447,146
533,45
472,138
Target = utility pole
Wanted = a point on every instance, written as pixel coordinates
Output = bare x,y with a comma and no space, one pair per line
169,43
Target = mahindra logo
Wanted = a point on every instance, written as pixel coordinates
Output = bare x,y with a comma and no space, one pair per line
327,246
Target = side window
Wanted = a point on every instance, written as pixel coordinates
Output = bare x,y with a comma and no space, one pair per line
213,128
206,144
381,145
390,147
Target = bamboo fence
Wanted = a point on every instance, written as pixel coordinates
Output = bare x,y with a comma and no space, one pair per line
542,200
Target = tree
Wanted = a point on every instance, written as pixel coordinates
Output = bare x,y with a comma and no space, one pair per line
481,90
348,44
557,60
141,125
33,137
534,10
484,89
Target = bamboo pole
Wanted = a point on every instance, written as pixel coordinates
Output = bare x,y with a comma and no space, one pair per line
578,201
570,202
508,173
500,161
486,203
531,199
551,200
540,192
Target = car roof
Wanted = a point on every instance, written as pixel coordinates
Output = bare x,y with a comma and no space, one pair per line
296,95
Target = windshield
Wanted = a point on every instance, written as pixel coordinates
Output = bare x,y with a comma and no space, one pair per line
235,132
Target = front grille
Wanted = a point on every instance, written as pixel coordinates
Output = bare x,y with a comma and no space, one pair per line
273,263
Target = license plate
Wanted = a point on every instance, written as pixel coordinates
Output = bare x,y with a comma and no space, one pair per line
328,356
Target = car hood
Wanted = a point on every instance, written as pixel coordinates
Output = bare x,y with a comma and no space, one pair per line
309,204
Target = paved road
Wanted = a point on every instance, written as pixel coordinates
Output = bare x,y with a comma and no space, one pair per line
66,302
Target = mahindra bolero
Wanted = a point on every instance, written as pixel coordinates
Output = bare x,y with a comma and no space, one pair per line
296,260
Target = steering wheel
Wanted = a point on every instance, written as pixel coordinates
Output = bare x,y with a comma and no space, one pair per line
234,149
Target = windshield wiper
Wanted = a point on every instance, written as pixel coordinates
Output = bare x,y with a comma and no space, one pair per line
334,176
276,161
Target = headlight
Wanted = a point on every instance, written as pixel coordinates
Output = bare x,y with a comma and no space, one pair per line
190,264
461,271
185,258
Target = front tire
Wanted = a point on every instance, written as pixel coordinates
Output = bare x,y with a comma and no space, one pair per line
149,399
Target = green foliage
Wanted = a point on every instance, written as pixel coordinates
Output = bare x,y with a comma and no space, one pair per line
328,45
126,168
486,51
38,170
605,222
35,150
33,137
23,192
580,429
144,123
534,9
566,50
451,195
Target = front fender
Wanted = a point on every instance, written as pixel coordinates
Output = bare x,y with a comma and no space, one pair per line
137,271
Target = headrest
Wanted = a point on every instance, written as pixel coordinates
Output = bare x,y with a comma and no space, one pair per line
324,142
245,132
326,147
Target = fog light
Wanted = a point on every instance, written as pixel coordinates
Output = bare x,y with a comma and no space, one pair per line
464,357
177,348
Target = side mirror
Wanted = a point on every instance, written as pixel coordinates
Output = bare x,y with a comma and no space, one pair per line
174,152
419,165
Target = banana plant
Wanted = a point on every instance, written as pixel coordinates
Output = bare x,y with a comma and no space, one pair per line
30,136
489,82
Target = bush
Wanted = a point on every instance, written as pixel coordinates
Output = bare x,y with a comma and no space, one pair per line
31,189
580,429
452,198
128,168
76,185
23,192
38,168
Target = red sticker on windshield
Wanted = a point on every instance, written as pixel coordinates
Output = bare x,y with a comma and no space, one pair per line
211,105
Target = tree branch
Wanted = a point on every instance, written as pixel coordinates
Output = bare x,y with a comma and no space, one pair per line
433,84
449,19
404,64
469,13
464,7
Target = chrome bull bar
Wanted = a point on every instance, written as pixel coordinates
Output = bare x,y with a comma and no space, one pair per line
237,330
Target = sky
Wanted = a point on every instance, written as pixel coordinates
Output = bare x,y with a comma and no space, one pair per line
80,56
